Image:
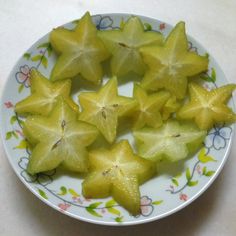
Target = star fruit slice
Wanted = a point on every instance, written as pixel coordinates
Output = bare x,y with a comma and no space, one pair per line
208,108
149,106
44,94
124,45
170,65
59,139
104,107
117,172
172,141
80,51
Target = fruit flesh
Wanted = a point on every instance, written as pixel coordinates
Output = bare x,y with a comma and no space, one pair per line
80,52
208,108
124,45
170,65
149,106
169,141
102,108
44,95
118,173
58,139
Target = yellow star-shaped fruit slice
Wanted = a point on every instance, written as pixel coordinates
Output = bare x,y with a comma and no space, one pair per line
172,141
44,94
149,106
207,108
124,45
104,107
80,51
117,172
170,65
58,139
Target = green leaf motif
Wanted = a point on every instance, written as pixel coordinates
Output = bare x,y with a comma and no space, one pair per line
73,192
49,50
27,56
119,219
20,88
43,45
147,27
8,135
204,170
42,193
94,205
157,202
110,203
192,183
175,182
36,58
188,174
63,191
213,74
122,23
13,120
92,212
22,145
15,134
113,211
202,157
209,173
45,61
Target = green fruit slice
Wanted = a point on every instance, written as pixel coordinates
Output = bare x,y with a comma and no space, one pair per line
118,173
171,141
149,106
124,45
207,108
170,65
103,108
170,107
44,94
80,50
59,139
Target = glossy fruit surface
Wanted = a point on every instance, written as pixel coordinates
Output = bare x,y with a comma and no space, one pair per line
207,108
59,139
171,141
44,94
149,106
124,45
117,172
80,51
170,65
102,108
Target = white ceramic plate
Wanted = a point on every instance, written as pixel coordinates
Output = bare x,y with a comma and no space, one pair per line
175,187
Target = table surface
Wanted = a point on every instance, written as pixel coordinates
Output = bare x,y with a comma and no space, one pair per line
211,22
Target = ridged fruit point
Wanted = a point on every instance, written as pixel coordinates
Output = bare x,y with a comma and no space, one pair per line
172,141
59,139
44,95
124,45
170,65
104,107
80,51
117,172
208,108
149,106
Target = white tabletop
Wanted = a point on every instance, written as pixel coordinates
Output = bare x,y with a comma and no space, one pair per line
211,22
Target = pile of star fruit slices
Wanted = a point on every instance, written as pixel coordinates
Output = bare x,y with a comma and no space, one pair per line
59,133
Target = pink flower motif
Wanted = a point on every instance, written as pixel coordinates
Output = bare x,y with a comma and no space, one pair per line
63,206
146,206
103,211
23,76
8,104
199,169
19,132
162,26
183,197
